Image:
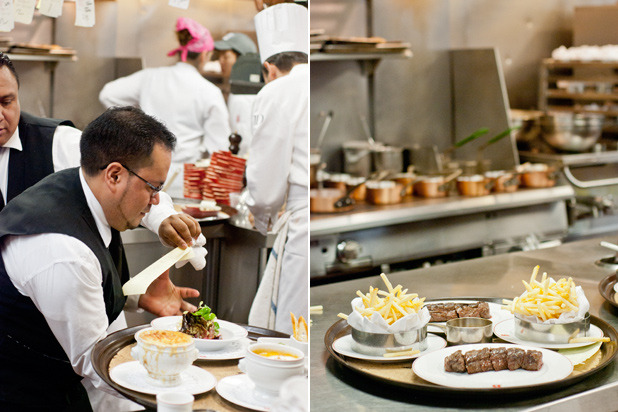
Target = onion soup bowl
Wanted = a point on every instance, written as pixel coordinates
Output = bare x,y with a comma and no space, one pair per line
268,365
164,354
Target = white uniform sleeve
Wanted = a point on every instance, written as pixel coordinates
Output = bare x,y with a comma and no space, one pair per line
270,159
216,126
158,213
65,147
64,283
124,91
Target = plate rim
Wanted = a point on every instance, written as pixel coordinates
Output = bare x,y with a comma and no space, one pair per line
395,359
338,328
496,344
244,405
163,388
542,345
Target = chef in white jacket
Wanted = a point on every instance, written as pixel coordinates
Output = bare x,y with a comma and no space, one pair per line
277,169
189,105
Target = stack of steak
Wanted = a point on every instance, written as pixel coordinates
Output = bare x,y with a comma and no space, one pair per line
494,359
441,312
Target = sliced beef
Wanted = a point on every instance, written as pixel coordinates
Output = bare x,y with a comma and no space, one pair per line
455,362
498,359
494,359
532,361
478,361
514,358
441,312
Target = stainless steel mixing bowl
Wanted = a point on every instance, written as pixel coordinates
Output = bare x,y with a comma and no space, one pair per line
571,132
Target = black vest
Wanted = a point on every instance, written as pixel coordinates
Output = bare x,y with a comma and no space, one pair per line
34,161
28,349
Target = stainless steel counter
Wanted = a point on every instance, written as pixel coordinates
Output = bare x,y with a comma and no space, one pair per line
334,388
422,228
420,209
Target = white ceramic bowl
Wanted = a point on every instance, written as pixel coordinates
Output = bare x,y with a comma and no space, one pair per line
164,360
230,333
269,373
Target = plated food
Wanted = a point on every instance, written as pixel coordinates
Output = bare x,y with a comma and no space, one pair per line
388,321
201,324
215,334
442,312
550,311
431,367
493,359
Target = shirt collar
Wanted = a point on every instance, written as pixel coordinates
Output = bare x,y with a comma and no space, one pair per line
14,142
97,211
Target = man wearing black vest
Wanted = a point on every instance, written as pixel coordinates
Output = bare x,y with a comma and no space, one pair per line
62,264
30,147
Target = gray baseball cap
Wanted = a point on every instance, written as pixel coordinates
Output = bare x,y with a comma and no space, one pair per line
239,42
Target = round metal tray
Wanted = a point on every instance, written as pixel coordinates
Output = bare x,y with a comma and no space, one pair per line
105,350
606,287
341,328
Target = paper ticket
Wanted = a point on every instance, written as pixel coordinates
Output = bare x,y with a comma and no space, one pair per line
139,283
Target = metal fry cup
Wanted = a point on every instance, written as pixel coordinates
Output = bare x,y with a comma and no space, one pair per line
377,344
551,332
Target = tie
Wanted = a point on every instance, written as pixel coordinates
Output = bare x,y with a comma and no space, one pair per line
117,251
1,201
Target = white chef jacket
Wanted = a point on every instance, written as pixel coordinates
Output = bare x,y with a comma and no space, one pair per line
278,172
189,105
65,284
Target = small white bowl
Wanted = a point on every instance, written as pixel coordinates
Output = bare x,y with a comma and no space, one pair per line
230,333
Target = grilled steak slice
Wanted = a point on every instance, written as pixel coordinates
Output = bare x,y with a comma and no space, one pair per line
532,361
498,359
478,361
514,358
455,362
441,312
475,310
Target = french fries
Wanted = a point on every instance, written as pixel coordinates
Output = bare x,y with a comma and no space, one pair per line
408,352
299,328
544,299
391,305
585,339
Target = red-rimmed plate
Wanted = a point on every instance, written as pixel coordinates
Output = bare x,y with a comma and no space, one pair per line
430,367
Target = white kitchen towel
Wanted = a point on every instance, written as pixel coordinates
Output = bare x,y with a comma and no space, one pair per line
264,308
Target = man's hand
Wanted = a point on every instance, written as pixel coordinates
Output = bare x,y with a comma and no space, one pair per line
179,230
163,298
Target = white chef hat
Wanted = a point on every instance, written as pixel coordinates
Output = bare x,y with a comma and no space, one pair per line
281,28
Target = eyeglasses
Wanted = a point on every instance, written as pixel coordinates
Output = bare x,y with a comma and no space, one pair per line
155,189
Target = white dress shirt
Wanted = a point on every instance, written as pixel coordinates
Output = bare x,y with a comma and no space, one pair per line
65,152
64,282
189,105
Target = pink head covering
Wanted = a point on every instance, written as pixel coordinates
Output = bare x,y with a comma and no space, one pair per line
201,41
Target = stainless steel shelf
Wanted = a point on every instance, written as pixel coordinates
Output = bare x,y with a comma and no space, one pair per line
40,57
323,57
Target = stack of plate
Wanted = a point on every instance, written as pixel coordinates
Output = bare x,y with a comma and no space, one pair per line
223,176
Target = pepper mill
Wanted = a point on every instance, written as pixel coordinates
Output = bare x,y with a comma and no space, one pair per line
235,140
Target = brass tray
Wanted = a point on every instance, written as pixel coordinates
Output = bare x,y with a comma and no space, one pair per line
401,374
105,350
606,287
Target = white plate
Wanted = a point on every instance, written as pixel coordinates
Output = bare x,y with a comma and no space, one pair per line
235,350
495,309
431,368
505,330
133,376
239,390
343,346
230,333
